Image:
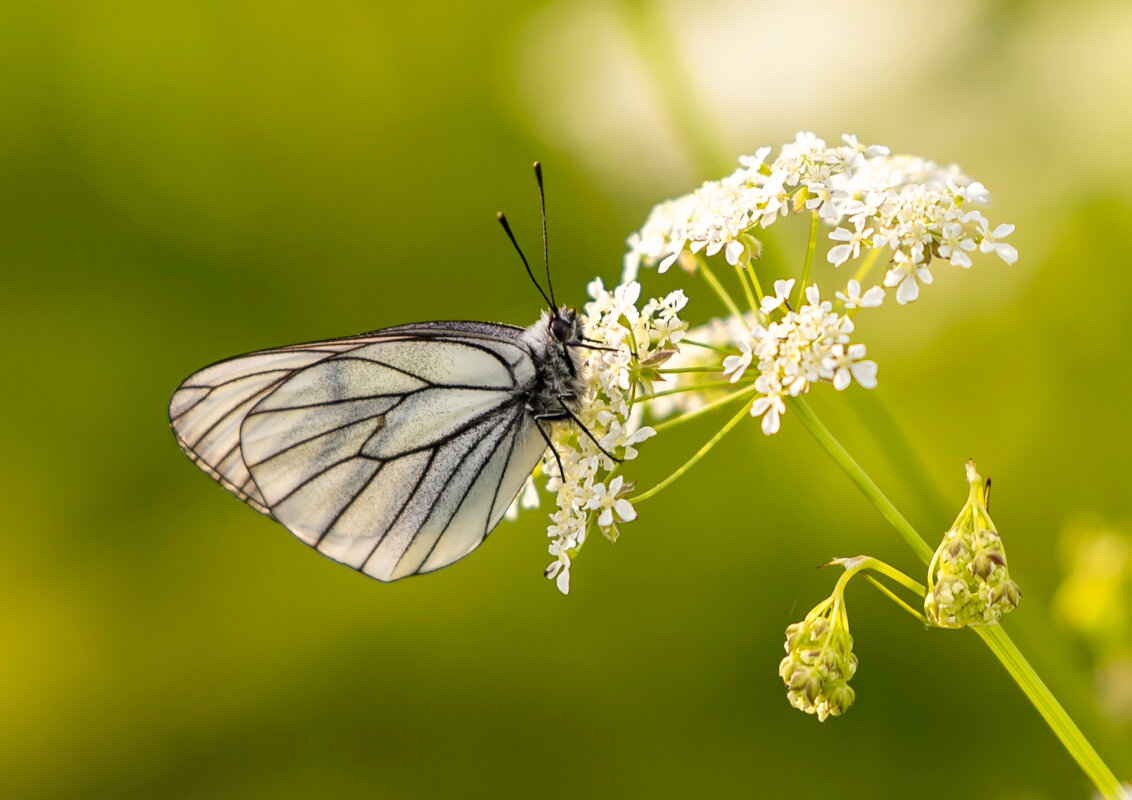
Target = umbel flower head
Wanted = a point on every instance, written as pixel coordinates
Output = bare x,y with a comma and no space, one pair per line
914,209
892,219
968,581
819,658
906,213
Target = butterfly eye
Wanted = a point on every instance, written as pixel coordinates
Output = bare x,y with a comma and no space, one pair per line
561,329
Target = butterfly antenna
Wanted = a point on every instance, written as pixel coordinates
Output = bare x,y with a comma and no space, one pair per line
545,250
503,221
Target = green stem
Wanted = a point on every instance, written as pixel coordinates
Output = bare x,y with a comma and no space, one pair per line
863,481
809,258
682,370
714,404
717,287
864,563
695,387
994,636
741,271
893,574
753,277
867,265
1062,724
691,462
727,351
891,595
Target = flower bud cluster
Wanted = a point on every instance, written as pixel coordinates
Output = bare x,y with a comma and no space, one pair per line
968,580
819,663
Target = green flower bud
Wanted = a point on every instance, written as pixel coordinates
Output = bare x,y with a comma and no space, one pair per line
840,699
819,662
968,581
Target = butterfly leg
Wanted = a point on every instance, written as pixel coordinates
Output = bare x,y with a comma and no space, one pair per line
586,430
550,444
593,344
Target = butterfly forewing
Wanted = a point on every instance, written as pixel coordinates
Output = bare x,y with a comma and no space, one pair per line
395,452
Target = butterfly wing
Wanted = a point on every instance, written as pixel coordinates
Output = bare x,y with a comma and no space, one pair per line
394,453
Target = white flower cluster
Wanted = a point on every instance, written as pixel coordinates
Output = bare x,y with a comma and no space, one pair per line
908,207
792,350
797,349
913,207
592,491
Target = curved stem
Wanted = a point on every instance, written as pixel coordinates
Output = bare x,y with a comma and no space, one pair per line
863,564
895,575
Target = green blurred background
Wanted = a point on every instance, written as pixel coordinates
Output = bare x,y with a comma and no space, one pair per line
184,182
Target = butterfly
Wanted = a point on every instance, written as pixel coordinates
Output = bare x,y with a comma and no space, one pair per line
394,452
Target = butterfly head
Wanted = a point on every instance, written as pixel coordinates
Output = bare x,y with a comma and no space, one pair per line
565,325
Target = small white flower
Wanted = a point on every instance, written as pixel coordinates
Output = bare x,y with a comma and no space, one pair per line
771,200
955,243
608,501
752,163
853,240
848,363
673,303
854,299
559,572
782,291
734,251
735,366
669,330
769,405
618,438
908,275
973,192
870,151
990,243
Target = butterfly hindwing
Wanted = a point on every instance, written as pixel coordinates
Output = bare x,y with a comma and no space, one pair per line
395,452
208,408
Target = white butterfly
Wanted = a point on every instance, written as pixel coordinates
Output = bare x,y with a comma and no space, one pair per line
394,452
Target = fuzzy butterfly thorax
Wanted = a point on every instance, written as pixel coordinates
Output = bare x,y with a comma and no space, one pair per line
560,367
